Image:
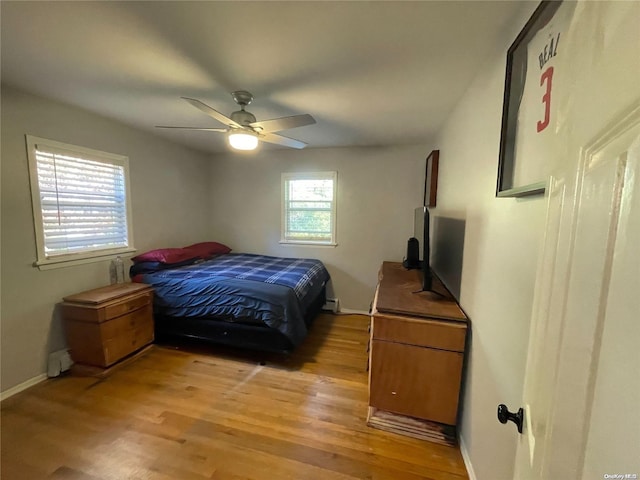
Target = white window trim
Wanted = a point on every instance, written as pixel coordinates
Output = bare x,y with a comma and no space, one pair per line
283,211
67,260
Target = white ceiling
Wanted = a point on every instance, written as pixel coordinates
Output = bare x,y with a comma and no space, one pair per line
371,73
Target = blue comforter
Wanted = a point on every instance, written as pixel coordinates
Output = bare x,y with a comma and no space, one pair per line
242,288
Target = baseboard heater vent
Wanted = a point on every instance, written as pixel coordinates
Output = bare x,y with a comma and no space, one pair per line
332,305
59,362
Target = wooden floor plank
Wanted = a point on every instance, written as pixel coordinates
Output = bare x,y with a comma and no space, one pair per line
196,412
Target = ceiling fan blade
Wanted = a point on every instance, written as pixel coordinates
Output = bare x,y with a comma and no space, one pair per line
195,128
284,123
280,140
203,107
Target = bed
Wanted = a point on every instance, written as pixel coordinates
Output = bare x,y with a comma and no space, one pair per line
245,300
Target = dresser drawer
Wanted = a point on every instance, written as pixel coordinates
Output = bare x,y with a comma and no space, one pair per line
124,307
130,341
105,303
415,381
121,326
424,333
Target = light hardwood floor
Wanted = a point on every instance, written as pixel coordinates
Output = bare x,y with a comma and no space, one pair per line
216,413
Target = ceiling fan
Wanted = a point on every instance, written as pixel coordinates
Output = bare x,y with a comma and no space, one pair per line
243,131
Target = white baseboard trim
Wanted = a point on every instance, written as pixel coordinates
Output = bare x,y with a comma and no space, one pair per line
23,386
354,312
466,459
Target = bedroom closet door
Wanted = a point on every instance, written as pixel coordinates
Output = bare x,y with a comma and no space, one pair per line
581,385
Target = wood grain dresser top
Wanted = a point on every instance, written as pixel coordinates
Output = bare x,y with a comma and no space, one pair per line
399,293
108,293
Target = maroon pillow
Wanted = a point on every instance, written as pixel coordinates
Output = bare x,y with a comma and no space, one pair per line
206,250
165,255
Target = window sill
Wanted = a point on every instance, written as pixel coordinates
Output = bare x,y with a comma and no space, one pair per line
301,243
52,263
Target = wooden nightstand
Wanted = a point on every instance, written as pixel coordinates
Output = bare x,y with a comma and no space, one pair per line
106,324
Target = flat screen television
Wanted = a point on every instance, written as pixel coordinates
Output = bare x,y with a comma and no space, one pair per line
421,232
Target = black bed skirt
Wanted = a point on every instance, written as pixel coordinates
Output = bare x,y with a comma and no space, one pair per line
214,330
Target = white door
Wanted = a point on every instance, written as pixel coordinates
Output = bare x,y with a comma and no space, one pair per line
585,324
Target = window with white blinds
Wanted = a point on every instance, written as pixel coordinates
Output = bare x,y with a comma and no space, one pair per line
80,201
309,208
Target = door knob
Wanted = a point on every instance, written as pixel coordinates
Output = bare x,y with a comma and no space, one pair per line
504,415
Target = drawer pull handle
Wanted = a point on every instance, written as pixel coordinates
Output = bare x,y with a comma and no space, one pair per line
393,393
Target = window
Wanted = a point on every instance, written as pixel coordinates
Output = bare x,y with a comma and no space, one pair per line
309,208
81,205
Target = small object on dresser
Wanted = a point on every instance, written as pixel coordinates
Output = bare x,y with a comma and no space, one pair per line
116,270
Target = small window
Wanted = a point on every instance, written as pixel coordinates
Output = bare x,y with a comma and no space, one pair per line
81,202
309,208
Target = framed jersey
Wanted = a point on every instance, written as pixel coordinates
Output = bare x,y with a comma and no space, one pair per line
528,112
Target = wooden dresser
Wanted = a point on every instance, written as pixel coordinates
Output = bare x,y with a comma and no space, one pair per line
106,324
416,356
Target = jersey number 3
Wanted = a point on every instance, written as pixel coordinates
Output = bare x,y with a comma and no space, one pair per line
546,79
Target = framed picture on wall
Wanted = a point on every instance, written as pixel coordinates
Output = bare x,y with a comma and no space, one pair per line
431,179
529,106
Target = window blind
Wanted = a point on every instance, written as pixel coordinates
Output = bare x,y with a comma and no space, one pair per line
83,203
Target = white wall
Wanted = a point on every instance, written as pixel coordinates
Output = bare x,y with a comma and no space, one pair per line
498,241
378,188
169,189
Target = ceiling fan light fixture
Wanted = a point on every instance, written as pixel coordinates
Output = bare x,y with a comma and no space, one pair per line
243,140
243,131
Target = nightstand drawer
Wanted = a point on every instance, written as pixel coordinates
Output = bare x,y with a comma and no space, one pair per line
119,347
121,326
127,306
423,333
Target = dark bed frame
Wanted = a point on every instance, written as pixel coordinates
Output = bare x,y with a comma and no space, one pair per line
250,336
